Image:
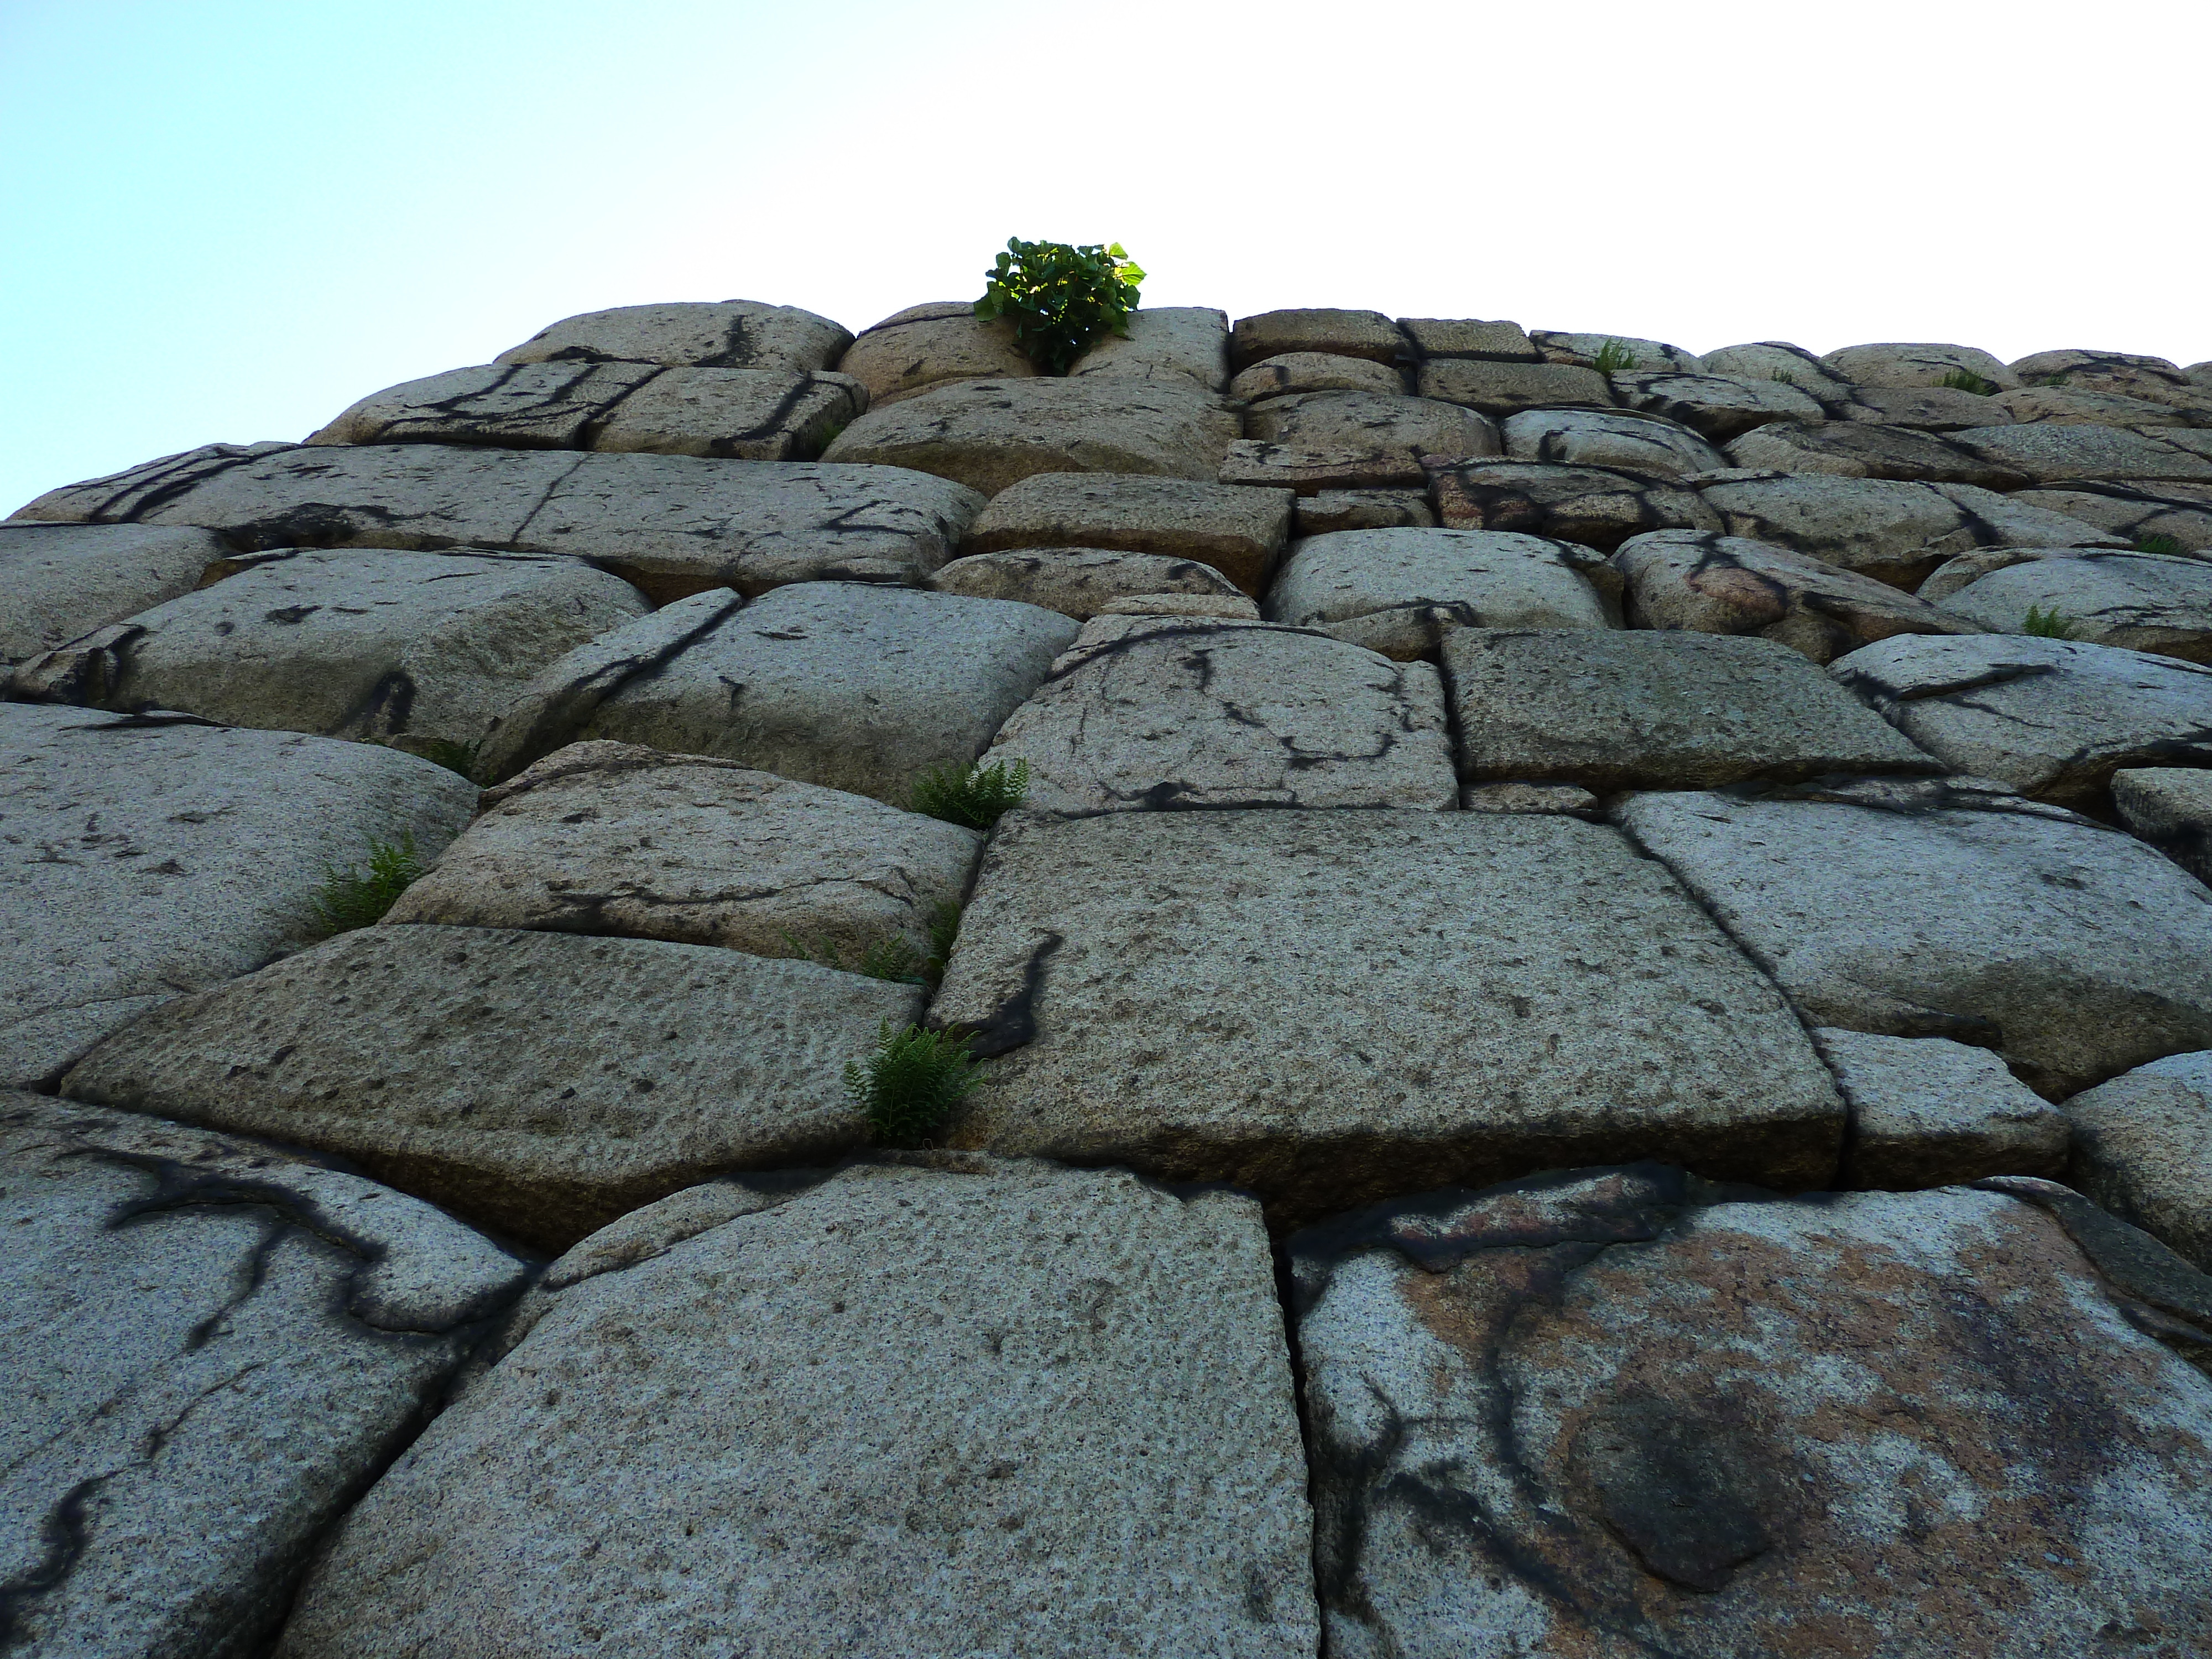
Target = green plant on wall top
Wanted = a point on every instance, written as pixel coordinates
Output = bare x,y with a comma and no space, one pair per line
1613,357
1965,379
1062,299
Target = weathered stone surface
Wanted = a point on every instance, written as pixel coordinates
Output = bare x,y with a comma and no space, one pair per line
1777,360
2053,718
1387,997
1715,584
852,686
60,580
1597,507
209,1349
1153,712
1361,509
1916,364
1582,349
1518,797
1505,388
1367,334
378,646
1946,908
1853,449
1893,532
1310,469
1165,343
2046,452
1931,409
1234,605
1717,406
990,433
2064,406
2117,373
1239,531
1648,710
1590,437
2170,807
1913,1424
1469,337
611,838
1077,582
1929,1112
730,334
537,1084
927,345
143,857
2180,512
1316,371
674,525
2142,1150
745,413
1373,422
1400,591
988,1409
2138,601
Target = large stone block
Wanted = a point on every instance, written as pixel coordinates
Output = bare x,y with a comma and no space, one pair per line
1586,350
1781,363
2180,512
1853,449
1080,581
1611,710
927,345
1893,532
1606,1414
1506,388
1239,531
1380,423
990,433
609,838
1935,908
60,580
854,686
743,414
2142,1150
538,1083
2170,807
1330,1007
2121,374
209,1348
1713,584
1930,409
1598,507
1328,510
1719,407
2064,406
2051,718
1316,371
997,1409
1169,713
1593,437
1400,592
1929,1112
725,334
2138,601
1469,337
2047,453
143,857
1312,469
375,645
674,525
1342,333
1165,343
1917,364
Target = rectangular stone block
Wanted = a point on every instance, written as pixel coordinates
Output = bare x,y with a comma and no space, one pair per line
1239,531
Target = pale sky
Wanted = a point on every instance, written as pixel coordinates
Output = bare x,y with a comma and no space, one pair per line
226,221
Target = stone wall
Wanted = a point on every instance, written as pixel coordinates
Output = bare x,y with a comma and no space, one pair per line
1595,1034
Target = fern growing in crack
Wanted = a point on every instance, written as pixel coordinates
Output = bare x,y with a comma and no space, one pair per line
910,1083
975,796
1965,379
2051,625
1613,357
348,898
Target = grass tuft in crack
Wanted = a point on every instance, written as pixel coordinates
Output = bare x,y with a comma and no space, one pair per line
455,757
348,899
1784,376
975,796
2158,542
2051,625
1613,357
910,1085
1965,379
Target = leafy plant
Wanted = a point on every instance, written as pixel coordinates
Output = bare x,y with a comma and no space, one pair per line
348,899
2051,625
1965,379
911,1082
976,796
1613,357
1061,298
889,957
454,756
2158,542
1784,376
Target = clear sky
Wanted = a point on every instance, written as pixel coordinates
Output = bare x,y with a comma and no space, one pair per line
227,221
